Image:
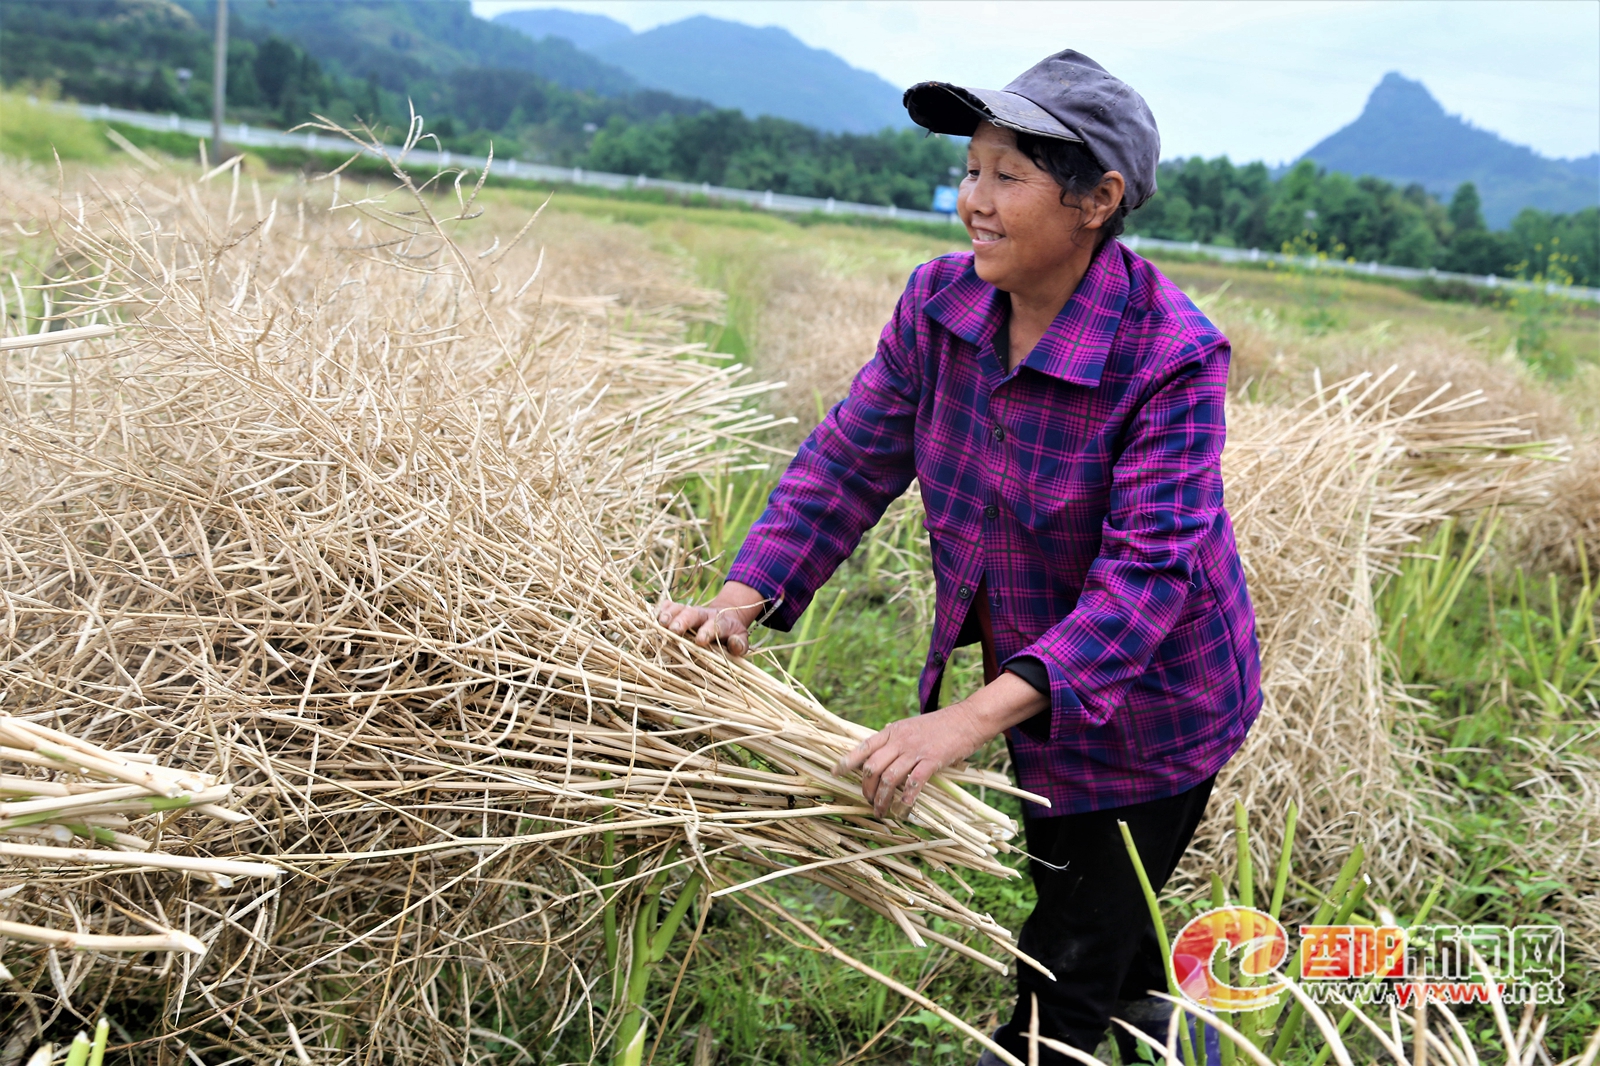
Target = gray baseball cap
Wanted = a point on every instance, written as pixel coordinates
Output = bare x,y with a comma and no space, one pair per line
1067,96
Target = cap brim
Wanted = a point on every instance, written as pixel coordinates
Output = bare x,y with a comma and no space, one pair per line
944,108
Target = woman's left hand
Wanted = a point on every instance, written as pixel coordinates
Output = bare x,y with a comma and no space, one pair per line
905,754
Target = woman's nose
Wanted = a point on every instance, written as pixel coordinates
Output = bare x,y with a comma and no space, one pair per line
974,197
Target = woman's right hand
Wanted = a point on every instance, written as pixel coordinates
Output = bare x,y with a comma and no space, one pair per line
726,620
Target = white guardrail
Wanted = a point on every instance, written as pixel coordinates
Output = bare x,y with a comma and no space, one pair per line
1381,270
311,141
242,134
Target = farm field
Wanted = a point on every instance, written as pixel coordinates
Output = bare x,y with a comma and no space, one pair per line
1464,743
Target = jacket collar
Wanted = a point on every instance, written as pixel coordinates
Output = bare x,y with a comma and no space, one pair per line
1075,346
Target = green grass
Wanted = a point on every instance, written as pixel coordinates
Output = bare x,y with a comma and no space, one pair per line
34,133
1507,657
1323,311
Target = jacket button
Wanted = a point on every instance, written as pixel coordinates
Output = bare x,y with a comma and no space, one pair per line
964,593
999,434
991,511
938,660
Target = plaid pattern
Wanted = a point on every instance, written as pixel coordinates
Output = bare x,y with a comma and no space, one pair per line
1084,489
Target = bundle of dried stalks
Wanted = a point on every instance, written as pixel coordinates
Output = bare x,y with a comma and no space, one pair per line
1325,495
1542,538
817,328
347,514
1561,840
1566,534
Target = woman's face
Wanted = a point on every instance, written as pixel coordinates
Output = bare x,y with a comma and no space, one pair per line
1022,234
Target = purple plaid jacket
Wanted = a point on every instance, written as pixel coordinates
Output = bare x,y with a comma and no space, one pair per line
1083,489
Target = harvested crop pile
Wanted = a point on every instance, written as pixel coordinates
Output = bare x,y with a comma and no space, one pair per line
348,514
1566,535
1325,496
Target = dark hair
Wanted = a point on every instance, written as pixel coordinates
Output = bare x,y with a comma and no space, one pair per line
1076,170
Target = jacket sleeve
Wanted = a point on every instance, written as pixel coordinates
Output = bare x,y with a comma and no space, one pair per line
851,467
1166,494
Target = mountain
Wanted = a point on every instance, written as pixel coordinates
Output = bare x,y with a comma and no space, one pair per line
1404,136
399,41
759,70
582,29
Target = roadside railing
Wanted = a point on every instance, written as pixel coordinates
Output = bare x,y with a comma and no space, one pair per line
312,141
1350,266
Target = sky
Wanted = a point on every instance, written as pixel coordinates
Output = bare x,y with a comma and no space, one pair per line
1250,79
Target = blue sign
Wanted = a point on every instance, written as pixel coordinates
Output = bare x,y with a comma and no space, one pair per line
944,199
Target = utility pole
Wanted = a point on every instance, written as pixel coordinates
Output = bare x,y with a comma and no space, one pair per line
219,82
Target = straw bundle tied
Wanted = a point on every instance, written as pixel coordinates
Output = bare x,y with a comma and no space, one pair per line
350,517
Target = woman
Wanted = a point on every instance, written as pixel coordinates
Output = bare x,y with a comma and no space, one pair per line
1061,404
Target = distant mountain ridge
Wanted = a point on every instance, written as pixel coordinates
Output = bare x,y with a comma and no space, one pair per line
581,28
1403,135
397,41
758,70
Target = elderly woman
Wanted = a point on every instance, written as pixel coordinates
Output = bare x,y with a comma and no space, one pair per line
1061,404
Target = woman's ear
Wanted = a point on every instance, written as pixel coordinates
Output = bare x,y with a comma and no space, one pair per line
1105,199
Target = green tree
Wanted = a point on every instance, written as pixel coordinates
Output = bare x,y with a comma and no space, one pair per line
1482,252
371,99
243,89
1466,210
1415,247
162,92
1538,235
277,69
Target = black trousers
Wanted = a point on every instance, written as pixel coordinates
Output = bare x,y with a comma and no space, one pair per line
1091,926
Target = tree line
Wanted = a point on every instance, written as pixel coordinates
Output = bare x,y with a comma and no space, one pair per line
899,167
1366,219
